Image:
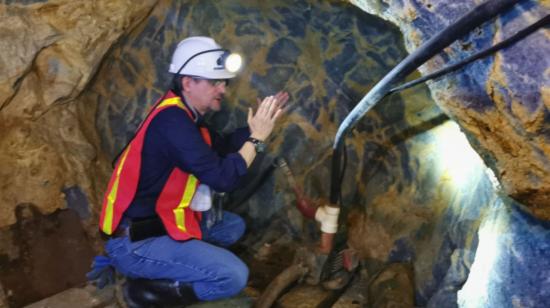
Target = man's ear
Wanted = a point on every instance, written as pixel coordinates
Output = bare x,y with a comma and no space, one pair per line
185,83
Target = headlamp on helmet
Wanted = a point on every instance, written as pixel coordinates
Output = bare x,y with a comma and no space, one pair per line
203,57
232,62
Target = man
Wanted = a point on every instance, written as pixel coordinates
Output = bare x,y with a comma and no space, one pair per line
162,184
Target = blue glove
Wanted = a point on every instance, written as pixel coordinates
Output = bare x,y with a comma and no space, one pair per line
102,273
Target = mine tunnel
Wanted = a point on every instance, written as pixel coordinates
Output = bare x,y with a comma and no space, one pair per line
366,194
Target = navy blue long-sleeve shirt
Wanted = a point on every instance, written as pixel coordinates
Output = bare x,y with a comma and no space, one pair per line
173,139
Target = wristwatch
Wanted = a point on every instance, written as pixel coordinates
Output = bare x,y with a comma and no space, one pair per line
259,145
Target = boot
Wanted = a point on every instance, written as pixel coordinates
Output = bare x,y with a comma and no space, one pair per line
141,293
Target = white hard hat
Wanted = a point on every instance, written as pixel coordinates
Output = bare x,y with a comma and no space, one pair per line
201,56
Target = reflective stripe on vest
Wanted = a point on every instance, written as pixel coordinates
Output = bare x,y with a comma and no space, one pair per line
172,205
185,201
107,224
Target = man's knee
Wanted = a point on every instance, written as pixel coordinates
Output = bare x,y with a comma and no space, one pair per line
239,227
235,280
230,281
234,228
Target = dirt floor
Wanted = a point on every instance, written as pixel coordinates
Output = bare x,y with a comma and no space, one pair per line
45,255
265,263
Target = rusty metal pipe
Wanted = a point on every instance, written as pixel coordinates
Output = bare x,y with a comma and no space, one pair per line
327,240
304,205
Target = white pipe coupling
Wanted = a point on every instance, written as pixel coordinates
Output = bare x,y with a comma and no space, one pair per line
328,217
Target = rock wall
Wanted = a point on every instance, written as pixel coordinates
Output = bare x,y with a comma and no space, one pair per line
430,200
502,101
324,54
440,195
50,53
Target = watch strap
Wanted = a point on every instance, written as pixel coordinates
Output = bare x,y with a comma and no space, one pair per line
259,145
254,140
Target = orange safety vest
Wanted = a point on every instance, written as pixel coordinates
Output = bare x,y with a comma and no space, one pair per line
172,205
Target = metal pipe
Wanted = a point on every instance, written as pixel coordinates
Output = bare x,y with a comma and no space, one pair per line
327,242
307,207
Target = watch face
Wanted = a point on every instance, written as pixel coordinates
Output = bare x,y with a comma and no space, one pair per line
260,147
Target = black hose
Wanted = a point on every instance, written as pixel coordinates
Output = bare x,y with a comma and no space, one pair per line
434,45
505,43
335,178
258,178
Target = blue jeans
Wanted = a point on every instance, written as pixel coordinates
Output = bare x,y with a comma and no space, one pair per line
212,271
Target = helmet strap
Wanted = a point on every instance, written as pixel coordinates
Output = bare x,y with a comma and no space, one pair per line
198,54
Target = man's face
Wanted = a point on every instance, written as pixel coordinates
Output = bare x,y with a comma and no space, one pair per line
203,94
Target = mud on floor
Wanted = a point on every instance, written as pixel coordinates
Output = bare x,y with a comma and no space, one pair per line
266,263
